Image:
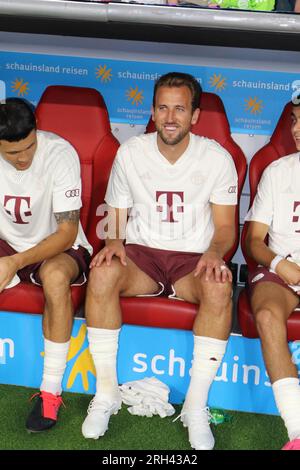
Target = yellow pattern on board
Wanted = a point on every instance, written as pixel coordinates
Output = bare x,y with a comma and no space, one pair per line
104,73
218,82
20,87
84,363
254,105
135,96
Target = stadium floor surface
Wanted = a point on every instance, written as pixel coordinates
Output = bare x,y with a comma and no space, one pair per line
245,431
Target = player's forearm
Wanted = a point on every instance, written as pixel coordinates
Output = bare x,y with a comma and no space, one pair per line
222,240
259,251
116,225
297,6
53,245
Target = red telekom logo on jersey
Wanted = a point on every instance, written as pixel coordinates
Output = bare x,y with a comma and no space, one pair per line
170,198
16,213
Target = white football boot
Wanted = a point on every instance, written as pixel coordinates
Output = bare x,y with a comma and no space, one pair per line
197,422
99,411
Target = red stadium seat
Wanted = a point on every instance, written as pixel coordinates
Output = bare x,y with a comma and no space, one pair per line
281,144
94,136
79,115
163,312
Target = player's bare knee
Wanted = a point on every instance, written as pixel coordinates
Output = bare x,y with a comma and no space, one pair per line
104,278
54,278
216,293
267,321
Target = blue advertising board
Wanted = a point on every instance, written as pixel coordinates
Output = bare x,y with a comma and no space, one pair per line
241,383
253,99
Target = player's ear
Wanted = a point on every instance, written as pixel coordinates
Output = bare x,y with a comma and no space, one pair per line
152,113
195,116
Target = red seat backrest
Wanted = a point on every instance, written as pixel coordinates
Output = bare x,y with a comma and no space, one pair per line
80,116
213,123
281,144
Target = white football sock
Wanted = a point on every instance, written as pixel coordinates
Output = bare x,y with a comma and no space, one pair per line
287,396
208,355
55,362
104,347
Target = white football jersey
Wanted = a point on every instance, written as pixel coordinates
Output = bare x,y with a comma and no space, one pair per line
29,199
277,204
171,203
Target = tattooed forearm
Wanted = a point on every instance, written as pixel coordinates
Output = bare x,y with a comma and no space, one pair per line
71,216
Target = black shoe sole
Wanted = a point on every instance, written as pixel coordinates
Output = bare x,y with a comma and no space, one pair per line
34,431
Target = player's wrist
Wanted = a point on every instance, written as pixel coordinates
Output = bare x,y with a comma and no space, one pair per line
112,241
275,261
17,260
215,251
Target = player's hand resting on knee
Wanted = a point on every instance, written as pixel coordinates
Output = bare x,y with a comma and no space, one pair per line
214,266
113,248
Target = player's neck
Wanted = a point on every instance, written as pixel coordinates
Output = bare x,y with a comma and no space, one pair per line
173,152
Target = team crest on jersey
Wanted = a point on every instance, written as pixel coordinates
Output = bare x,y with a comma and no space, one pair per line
197,178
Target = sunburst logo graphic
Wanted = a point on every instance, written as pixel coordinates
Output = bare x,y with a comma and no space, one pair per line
135,96
103,73
254,105
84,362
217,82
20,87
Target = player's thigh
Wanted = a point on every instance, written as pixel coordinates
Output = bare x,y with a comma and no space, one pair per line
136,281
187,288
274,298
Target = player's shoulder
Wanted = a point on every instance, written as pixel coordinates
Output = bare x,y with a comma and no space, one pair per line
50,143
284,163
209,147
138,141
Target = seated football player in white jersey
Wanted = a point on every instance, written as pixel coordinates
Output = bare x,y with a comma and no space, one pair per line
41,238
275,286
178,189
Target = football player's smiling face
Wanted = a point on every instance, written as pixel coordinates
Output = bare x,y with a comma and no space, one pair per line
173,115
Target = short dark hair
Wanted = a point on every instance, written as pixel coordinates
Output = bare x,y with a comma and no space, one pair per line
179,79
17,119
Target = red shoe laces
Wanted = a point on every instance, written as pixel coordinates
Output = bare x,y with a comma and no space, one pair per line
51,404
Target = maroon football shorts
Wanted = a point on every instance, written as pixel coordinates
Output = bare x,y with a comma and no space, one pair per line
262,274
31,272
163,266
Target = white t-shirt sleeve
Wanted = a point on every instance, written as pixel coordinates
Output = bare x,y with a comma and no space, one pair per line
118,192
262,208
226,186
67,183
